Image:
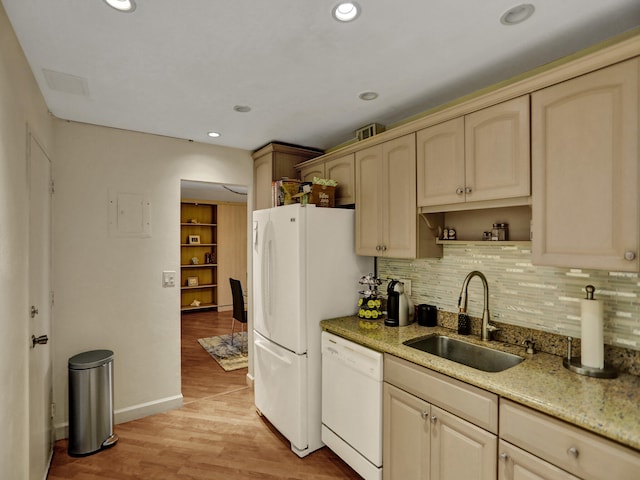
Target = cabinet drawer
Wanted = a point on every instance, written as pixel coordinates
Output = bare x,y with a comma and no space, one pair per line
466,401
579,452
516,464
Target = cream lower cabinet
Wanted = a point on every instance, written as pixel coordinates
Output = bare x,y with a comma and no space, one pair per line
559,446
516,464
585,150
406,443
481,157
422,440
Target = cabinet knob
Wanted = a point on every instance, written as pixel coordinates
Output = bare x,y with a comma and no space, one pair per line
504,456
629,255
434,419
573,451
467,190
459,190
384,248
424,415
377,248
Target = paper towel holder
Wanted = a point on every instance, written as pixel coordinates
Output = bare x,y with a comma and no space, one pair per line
573,364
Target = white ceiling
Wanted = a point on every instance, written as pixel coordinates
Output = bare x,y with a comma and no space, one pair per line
213,191
177,68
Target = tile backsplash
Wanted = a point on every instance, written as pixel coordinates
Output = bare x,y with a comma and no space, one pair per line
521,294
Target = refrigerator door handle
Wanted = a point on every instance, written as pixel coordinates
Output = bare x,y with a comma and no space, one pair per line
255,235
265,347
267,275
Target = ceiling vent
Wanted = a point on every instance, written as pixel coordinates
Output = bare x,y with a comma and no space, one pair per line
63,82
369,131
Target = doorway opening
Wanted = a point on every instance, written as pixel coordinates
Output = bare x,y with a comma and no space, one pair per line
213,248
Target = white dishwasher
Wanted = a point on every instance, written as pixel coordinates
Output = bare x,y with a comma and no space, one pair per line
352,404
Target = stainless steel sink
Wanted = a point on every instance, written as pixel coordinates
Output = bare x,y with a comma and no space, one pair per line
474,356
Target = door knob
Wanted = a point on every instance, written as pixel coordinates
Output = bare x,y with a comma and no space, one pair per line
34,311
41,340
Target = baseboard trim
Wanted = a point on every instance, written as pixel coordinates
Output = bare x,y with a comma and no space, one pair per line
250,381
131,413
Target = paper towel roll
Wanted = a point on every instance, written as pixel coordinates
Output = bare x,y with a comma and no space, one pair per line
592,348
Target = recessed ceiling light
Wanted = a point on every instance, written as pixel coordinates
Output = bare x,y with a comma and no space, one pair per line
213,134
122,5
368,96
346,11
517,14
242,108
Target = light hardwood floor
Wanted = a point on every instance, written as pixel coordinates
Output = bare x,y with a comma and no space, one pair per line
215,435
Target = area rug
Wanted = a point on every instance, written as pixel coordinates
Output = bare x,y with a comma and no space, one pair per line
230,357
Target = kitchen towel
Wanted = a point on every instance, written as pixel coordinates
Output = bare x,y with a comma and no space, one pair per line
592,349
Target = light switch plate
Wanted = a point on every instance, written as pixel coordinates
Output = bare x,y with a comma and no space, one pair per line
168,278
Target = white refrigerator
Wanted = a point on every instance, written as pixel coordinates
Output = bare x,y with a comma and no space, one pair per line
304,270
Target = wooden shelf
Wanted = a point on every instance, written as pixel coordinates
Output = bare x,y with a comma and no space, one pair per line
523,243
198,244
204,285
200,265
189,224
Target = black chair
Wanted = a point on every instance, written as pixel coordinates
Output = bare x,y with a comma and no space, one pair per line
239,311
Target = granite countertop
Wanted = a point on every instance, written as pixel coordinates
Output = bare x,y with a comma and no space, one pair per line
608,407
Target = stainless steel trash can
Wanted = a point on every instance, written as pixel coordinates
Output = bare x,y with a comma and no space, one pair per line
91,402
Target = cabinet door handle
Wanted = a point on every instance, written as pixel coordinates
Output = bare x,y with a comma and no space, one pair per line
574,452
459,191
504,456
629,255
424,414
467,190
434,419
384,248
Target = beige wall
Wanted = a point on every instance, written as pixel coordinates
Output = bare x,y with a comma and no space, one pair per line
22,109
109,292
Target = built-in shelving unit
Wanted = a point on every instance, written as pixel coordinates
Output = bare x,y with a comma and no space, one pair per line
198,255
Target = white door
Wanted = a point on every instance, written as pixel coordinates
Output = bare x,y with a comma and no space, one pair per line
40,379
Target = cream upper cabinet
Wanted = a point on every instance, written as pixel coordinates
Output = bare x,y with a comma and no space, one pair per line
386,199
585,170
309,172
272,162
481,157
440,163
343,171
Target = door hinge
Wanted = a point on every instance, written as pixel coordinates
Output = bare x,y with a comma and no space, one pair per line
51,298
53,409
52,187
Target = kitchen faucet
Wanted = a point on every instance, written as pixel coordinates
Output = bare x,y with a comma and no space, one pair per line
487,328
